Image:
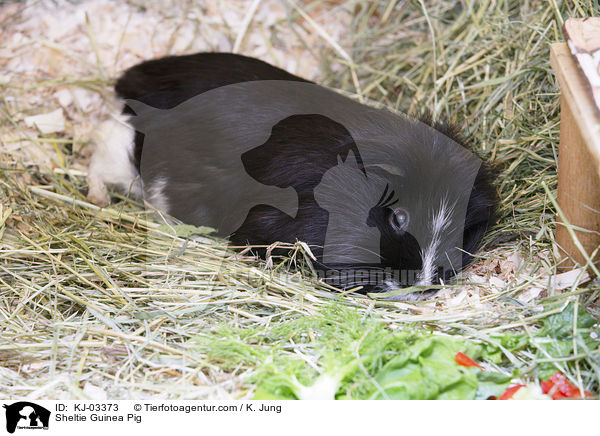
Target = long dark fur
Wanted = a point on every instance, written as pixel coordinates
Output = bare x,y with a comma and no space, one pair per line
482,210
164,83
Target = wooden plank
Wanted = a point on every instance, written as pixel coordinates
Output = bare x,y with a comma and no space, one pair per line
579,159
583,40
576,92
578,190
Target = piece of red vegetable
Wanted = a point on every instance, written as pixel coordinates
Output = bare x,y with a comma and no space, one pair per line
464,360
509,392
559,387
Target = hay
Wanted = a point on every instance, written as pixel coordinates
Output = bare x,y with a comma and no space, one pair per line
112,303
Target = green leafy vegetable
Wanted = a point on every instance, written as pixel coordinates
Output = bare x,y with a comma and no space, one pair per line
343,355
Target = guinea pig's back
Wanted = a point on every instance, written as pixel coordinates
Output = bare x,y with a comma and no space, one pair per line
167,82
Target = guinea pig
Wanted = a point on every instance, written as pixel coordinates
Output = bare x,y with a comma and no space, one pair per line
383,200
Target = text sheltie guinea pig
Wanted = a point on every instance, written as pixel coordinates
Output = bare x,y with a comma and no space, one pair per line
261,155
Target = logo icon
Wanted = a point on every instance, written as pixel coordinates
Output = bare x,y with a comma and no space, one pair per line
26,415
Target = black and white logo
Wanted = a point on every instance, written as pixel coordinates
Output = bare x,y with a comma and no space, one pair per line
26,415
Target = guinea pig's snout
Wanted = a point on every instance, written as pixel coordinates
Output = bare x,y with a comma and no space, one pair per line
400,252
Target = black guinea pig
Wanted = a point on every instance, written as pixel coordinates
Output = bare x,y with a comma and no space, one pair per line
384,201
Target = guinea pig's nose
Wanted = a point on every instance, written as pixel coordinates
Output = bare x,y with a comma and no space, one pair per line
442,275
446,275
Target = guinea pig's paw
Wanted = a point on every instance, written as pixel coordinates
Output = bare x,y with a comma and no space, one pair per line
97,192
111,162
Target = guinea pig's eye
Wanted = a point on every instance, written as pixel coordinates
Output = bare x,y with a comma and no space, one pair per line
399,219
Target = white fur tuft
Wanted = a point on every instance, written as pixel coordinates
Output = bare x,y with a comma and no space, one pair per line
439,223
155,194
111,163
